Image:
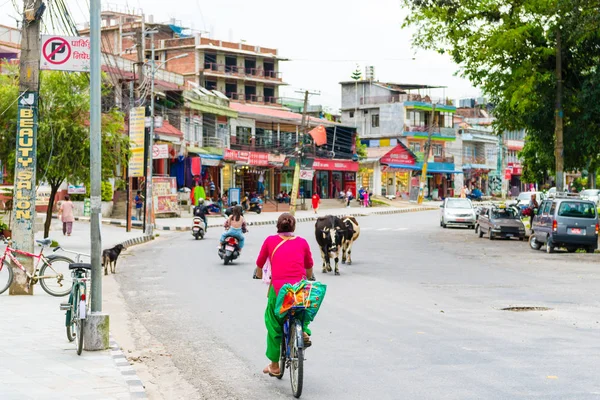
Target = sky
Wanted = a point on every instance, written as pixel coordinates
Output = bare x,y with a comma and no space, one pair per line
324,39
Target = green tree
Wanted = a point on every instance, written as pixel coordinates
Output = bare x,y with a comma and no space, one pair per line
357,74
63,148
508,49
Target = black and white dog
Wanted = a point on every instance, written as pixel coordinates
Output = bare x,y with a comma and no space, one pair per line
110,256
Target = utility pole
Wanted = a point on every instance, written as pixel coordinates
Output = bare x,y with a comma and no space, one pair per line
96,333
299,150
127,177
559,115
423,180
149,229
27,124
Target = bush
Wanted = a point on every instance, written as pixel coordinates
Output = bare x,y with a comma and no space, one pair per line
107,191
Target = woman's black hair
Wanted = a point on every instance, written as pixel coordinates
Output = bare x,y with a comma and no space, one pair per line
237,213
286,223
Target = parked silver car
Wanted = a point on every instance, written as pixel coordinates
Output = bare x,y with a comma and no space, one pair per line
457,212
591,195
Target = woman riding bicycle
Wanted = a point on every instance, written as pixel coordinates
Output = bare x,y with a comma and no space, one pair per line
291,261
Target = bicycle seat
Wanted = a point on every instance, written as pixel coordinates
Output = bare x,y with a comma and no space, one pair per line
44,242
80,266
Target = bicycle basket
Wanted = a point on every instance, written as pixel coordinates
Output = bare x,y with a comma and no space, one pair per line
304,294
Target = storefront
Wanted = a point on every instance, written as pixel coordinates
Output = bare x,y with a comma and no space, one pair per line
252,172
212,168
331,177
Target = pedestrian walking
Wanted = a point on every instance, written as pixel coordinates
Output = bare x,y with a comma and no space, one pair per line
316,200
139,205
212,189
348,198
66,215
366,198
463,192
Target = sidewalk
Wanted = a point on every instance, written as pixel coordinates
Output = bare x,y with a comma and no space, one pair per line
38,362
270,218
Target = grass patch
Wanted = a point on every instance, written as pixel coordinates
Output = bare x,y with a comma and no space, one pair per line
379,203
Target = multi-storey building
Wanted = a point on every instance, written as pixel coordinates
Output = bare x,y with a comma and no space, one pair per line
394,122
228,109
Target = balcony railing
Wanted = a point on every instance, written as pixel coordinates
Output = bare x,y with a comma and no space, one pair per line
254,99
220,142
261,73
401,98
436,129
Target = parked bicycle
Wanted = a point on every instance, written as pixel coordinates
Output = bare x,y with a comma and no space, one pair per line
53,274
77,307
292,348
78,255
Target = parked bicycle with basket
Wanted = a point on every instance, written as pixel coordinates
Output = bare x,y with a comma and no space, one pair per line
77,308
52,272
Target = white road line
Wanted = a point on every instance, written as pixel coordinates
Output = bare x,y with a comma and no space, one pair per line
384,229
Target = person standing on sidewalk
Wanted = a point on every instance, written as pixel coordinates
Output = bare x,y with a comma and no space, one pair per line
348,198
316,200
366,198
139,204
66,214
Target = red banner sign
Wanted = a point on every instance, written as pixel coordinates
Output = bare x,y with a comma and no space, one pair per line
508,173
249,157
335,165
398,155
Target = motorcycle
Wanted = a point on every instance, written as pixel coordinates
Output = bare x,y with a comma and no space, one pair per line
198,228
255,206
230,250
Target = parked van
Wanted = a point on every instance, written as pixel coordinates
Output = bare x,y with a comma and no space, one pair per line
565,222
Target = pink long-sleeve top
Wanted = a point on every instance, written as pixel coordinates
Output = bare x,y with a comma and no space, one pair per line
290,261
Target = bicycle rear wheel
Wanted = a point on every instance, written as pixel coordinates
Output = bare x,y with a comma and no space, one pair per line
79,325
6,276
55,277
297,359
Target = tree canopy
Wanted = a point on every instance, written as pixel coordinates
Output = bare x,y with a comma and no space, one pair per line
63,143
508,49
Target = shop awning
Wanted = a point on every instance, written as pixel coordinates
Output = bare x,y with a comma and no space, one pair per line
435,168
335,165
477,166
211,153
211,108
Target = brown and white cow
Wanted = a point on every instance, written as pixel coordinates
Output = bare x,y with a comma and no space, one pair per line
349,236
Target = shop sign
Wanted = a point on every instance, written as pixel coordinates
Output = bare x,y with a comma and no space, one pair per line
76,189
136,140
165,198
25,161
398,155
249,157
307,175
160,151
276,160
508,173
42,197
335,165
87,207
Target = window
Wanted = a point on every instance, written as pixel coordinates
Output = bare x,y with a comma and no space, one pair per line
547,207
490,154
415,147
210,85
210,61
243,135
264,138
415,118
576,210
351,114
197,132
446,120
375,120
437,150
366,111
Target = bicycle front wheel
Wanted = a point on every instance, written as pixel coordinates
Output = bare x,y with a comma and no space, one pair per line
6,276
297,359
55,277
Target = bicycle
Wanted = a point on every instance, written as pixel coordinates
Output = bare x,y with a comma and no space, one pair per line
51,274
292,348
77,306
76,253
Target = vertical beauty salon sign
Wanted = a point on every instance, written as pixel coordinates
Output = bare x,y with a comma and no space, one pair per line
24,199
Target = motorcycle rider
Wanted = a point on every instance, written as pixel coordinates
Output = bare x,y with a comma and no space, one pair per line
201,211
235,227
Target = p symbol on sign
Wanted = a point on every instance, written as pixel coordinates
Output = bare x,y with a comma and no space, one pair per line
57,48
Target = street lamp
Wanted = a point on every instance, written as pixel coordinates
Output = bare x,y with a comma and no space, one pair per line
149,146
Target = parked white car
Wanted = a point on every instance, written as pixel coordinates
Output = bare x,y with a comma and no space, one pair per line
457,212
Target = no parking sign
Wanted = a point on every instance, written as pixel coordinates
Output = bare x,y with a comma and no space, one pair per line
65,53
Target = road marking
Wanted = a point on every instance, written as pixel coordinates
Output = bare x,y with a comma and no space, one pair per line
384,229
552,377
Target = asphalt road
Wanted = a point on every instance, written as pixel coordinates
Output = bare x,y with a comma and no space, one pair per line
417,316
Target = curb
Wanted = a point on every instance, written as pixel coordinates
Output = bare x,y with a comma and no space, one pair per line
135,384
138,224
136,240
